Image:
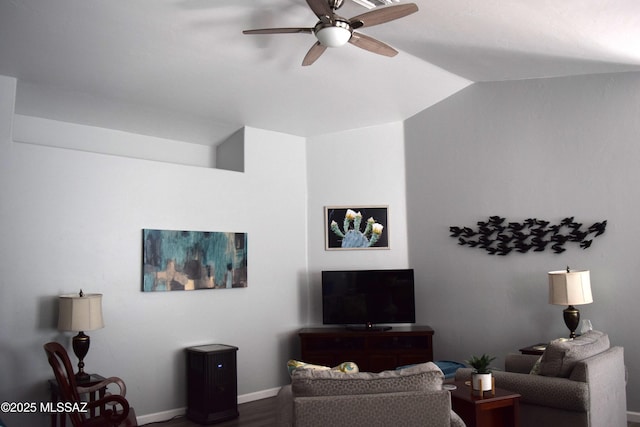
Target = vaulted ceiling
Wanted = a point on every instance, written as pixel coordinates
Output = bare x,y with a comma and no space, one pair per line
151,64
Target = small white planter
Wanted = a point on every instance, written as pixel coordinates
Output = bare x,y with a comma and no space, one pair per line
485,379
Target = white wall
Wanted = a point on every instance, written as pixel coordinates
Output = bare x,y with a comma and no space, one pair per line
72,219
358,167
546,149
543,148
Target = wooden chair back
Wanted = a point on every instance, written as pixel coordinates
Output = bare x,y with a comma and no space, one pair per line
108,410
62,369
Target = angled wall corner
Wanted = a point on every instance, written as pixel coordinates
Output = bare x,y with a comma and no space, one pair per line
230,152
7,103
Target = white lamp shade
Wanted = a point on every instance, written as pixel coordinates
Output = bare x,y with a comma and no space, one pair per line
80,313
570,288
333,36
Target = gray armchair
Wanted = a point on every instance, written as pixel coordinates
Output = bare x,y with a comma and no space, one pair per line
407,397
575,383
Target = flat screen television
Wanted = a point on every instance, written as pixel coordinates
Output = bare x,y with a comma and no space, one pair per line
366,299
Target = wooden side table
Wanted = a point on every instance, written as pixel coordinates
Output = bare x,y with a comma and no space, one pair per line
498,409
55,396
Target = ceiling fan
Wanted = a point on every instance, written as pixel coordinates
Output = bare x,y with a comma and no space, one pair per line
334,31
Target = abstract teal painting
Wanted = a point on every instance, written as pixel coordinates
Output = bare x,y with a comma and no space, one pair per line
189,260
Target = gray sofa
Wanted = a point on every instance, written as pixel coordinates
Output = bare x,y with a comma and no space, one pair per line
406,397
574,383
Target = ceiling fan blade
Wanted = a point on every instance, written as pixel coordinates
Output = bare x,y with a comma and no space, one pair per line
314,53
278,31
372,45
385,14
320,8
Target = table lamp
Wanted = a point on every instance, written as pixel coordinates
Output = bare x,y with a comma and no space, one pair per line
78,313
570,288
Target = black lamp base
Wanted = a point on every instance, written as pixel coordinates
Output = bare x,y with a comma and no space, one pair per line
571,319
81,344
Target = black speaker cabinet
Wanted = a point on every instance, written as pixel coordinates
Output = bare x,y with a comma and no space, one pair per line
212,385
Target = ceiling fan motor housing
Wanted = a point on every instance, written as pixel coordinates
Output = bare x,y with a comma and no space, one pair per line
335,4
335,34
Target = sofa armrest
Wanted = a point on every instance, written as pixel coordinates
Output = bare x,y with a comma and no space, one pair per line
366,410
561,393
606,375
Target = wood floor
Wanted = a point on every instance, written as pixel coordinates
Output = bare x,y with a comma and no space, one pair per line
259,413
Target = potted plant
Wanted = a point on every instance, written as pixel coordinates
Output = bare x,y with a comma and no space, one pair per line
481,377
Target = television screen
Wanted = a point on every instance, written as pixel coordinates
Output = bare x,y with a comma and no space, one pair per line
368,297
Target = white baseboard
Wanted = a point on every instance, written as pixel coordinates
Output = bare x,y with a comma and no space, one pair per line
167,415
633,417
258,395
160,416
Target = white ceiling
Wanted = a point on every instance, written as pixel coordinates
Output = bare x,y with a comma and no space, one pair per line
157,65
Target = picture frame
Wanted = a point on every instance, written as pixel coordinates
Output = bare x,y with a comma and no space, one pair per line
176,260
356,227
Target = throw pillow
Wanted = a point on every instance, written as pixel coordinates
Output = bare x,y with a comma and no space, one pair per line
560,357
292,365
535,370
346,367
423,376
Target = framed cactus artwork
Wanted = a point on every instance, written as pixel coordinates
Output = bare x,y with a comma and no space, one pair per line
356,227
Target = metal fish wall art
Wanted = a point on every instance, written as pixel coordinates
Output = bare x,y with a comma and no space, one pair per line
500,237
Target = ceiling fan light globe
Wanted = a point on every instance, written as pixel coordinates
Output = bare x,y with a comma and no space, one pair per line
333,36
